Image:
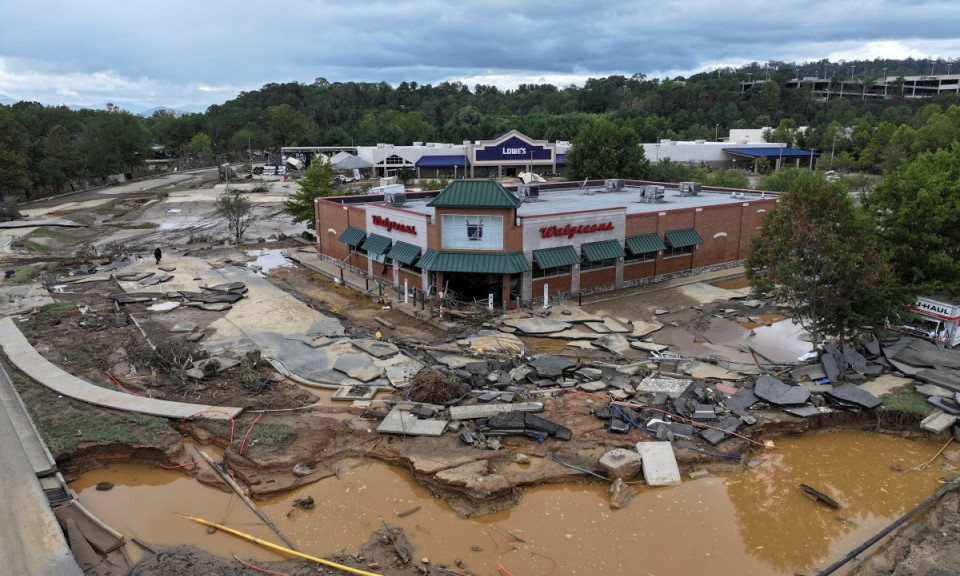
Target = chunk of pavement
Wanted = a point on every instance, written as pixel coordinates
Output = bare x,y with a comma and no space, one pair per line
853,394
592,386
617,425
519,422
855,359
475,411
777,392
194,337
808,373
229,288
400,421
421,411
741,400
194,374
603,412
215,306
942,378
550,365
648,346
706,371
616,343
133,298
948,405
830,367
659,464
488,396
621,464
590,373
357,366
354,393
598,327
704,412
938,421
321,341
210,298
716,434
642,328
167,268
466,437
676,429
803,411
330,327
672,387
184,327
537,325
375,348
620,494
934,390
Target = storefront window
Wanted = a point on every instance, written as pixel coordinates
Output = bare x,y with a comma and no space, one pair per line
597,264
683,250
539,272
642,257
476,232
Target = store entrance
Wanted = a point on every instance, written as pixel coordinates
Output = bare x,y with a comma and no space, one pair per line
472,289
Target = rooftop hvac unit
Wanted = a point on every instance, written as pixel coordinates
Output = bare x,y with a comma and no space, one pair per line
528,191
690,188
613,184
395,198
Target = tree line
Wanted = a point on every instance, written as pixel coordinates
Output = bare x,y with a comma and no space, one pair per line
47,150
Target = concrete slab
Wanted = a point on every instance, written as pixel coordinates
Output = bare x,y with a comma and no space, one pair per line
621,463
672,387
642,329
400,421
575,334
775,391
537,325
357,366
352,393
934,390
938,421
475,411
853,394
706,371
648,346
16,298
659,464
375,348
36,451
616,343
704,293
598,327
494,341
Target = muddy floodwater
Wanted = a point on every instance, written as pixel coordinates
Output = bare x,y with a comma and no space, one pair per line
752,523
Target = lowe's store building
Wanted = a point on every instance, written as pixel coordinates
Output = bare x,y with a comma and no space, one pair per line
478,238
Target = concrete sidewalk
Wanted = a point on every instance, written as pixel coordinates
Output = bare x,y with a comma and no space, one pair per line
27,359
31,542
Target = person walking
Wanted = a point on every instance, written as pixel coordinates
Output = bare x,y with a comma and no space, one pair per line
157,254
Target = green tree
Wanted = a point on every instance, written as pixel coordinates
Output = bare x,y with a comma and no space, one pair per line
237,210
113,141
14,144
286,126
603,150
316,183
824,259
917,209
201,146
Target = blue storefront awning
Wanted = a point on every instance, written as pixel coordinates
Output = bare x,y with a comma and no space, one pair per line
442,162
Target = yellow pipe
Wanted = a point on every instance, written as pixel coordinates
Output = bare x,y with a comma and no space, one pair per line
279,548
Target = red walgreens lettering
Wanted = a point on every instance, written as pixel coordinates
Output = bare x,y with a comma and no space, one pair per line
391,225
570,231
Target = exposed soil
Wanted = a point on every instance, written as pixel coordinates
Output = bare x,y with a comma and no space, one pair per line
99,343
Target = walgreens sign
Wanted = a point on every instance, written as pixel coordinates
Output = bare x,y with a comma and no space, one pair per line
391,225
570,230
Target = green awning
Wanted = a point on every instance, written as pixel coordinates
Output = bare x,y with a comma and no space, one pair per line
474,262
556,257
644,243
377,244
353,236
403,252
605,250
683,238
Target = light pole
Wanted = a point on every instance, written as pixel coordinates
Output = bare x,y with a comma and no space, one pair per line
833,148
716,133
884,82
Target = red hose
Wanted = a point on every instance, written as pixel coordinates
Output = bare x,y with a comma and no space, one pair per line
249,430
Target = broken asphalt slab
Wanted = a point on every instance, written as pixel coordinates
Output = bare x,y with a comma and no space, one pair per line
777,392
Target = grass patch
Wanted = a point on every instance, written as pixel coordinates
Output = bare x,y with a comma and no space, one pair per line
30,272
268,434
906,399
54,311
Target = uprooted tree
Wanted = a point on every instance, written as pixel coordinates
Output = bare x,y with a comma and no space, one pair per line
822,257
238,212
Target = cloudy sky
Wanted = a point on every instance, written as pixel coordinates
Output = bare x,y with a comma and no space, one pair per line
190,54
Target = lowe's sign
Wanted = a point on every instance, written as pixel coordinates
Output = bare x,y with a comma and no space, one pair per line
513,149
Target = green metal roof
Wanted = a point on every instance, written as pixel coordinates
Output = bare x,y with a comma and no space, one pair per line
474,262
403,252
644,243
682,238
556,257
377,244
475,194
604,250
353,236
